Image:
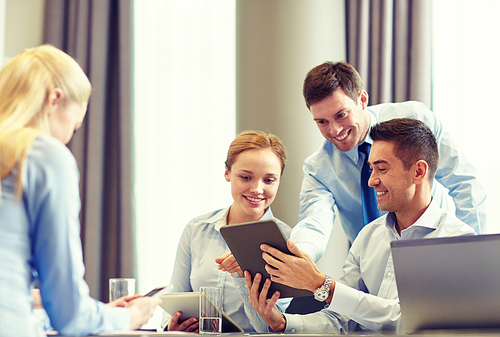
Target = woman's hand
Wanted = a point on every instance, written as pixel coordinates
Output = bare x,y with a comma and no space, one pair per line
123,301
266,308
228,263
188,325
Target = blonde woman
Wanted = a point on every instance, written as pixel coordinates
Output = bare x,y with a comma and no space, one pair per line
43,101
254,164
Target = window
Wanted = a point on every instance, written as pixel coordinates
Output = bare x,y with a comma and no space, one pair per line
466,69
184,122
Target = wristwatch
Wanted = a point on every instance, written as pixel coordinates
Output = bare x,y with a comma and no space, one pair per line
323,292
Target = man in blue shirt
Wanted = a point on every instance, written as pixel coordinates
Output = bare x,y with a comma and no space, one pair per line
332,176
404,159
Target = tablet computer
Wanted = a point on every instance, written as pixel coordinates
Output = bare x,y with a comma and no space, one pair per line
157,292
244,241
188,303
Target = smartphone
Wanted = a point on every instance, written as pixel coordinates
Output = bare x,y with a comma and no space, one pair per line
157,292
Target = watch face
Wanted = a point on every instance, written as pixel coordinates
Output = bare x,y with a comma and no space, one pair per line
321,295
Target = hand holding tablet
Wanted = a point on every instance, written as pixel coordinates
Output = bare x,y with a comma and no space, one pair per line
244,240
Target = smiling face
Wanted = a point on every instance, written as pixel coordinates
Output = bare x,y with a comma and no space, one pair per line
393,183
342,121
254,177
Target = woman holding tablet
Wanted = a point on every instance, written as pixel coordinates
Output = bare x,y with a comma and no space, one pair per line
254,165
43,101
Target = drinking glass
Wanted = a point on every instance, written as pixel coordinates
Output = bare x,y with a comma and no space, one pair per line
210,310
119,287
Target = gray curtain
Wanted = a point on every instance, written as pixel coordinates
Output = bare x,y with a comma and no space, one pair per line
98,34
389,43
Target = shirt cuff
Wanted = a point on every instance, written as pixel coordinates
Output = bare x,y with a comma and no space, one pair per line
344,300
239,283
293,323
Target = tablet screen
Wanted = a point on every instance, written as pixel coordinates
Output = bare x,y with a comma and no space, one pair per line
245,239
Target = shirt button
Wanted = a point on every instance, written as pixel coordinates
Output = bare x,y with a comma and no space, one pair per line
389,274
293,330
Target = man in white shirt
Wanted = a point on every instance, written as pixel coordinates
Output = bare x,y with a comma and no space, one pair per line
335,94
404,159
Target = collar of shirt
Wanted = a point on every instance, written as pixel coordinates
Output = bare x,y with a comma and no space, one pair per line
354,153
429,219
373,121
219,219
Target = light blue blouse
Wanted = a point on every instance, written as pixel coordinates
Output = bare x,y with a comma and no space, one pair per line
200,244
332,178
40,236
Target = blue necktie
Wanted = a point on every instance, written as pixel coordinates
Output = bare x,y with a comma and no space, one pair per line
368,195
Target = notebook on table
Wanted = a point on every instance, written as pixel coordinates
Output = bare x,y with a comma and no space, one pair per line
448,283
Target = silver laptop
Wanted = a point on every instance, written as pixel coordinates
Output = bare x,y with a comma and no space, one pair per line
448,283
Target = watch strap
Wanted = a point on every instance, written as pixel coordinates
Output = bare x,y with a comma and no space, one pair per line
323,292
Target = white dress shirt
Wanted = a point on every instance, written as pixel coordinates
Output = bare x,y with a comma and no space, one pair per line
366,296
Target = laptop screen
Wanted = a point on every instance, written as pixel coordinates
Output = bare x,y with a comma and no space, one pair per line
448,283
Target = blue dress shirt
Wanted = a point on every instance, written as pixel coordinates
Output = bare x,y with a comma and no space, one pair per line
332,179
40,235
200,244
366,296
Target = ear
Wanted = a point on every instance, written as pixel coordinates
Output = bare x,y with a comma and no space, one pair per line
226,174
363,99
421,171
55,98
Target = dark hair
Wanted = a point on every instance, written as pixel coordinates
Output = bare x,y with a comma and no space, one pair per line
413,141
255,140
325,79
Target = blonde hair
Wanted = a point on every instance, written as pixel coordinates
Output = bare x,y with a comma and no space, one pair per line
25,84
255,140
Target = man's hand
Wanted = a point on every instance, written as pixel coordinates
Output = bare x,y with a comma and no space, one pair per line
141,310
266,308
37,299
188,325
228,263
297,271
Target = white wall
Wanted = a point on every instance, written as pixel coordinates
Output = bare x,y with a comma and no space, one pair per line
22,23
278,42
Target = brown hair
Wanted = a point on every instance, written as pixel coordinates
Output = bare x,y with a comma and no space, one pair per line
255,140
413,141
325,79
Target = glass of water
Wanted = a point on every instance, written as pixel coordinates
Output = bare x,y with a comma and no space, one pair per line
119,287
210,310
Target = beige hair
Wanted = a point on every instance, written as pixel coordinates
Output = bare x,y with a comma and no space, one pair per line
25,84
255,140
